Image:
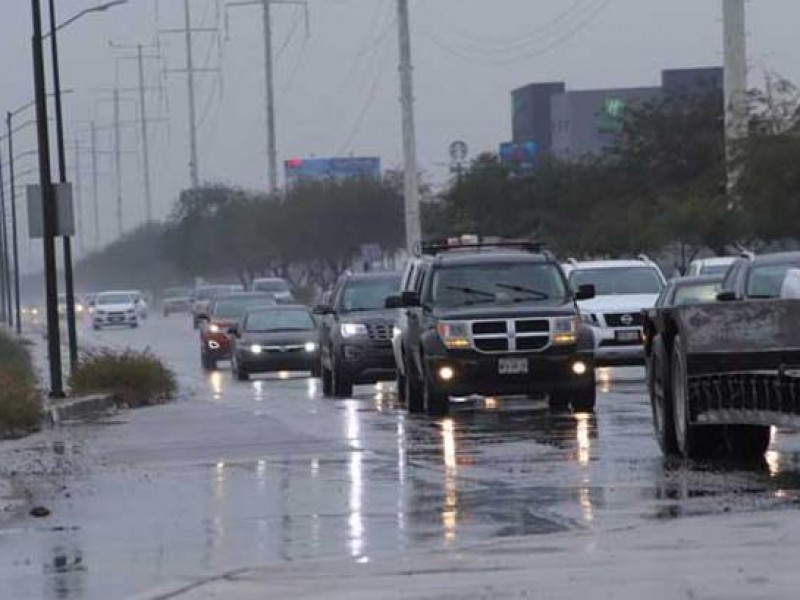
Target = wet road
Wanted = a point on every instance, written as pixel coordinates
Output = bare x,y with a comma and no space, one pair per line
244,474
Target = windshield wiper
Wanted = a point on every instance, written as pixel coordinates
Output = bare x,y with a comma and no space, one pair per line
469,290
523,290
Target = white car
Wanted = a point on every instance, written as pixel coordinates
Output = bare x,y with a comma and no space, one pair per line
115,309
139,300
718,265
623,289
276,286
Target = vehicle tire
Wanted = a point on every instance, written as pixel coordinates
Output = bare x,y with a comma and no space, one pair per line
96,327
660,384
195,324
134,325
437,403
342,385
415,402
747,442
327,380
401,386
242,374
166,313
585,398
693,441
208,363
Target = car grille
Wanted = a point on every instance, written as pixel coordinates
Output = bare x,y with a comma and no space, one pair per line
283,349
116,315
380,331
621,320
511,335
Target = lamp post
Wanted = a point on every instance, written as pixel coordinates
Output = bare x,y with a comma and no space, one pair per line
69,282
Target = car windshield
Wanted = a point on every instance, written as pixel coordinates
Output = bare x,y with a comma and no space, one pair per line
368,294
235,308
272,285
176,293
766,281
714,269
491,283
619,280
114,299
698,293
279,320
206,293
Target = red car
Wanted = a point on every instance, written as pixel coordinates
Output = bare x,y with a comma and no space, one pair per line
225,312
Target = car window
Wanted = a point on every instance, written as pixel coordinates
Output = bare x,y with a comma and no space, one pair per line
272,285
700,293
114,299
766,281
279,320
619,280
497,283
367,294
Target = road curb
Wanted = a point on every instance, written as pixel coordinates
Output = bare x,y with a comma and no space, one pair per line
80,408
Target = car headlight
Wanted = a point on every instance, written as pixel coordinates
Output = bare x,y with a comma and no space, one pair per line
396,332
255,349
454,334
79,308
213,328
311,347
349,330
565,330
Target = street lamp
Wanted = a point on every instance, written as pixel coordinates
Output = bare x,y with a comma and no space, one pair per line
69,283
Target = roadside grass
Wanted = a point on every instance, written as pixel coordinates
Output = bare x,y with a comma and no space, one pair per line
20,400
135,379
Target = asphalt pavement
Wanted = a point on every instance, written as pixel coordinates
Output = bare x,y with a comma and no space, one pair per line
235,475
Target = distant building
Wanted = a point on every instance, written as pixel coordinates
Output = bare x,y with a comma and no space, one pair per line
575,123
316,169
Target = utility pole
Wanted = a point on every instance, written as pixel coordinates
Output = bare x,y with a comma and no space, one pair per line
95,198
148,194
48,208
269,78
191,70
14,234
735,33
193,167
118,160
413,227
5,279
79,199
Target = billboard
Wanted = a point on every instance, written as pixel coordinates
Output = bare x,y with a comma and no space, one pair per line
522,155
315,169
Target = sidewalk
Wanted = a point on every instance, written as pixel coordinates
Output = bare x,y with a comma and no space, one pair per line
737,557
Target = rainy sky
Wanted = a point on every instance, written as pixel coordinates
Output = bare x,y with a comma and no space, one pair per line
336,83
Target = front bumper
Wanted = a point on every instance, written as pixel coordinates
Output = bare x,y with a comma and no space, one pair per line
610,350
114,319
479,374
368,361
266,362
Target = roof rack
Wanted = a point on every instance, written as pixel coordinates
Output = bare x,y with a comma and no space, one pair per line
476,243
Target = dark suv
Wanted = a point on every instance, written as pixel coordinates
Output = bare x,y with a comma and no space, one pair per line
356,332
491,320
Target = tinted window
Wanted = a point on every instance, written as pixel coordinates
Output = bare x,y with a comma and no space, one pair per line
714,270
279,320
700,293
619,280
766,281
367,294
114,299
235,308
499,283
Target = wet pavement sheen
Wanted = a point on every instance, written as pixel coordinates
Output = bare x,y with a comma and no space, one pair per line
245,474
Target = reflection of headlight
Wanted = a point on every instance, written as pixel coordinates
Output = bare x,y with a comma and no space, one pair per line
255,349
565,330
311,347
454,334
353,329
214,328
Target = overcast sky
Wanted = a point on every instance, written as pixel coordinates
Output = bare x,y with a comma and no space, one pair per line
337,90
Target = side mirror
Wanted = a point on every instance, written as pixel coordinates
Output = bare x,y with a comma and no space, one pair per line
322,309
394,302
202,317
233,330
726,296
410,299
586,291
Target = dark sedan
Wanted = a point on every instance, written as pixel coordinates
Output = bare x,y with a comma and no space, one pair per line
280,338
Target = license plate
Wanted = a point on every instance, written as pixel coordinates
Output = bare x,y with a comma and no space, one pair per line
117,319
512,366
629,336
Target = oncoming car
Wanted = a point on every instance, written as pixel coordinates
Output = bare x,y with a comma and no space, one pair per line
115,309
280,338
225,313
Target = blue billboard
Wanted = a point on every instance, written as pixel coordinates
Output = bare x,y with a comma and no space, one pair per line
521,155
311,169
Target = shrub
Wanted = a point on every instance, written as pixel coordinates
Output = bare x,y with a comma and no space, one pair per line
134,378
20,402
